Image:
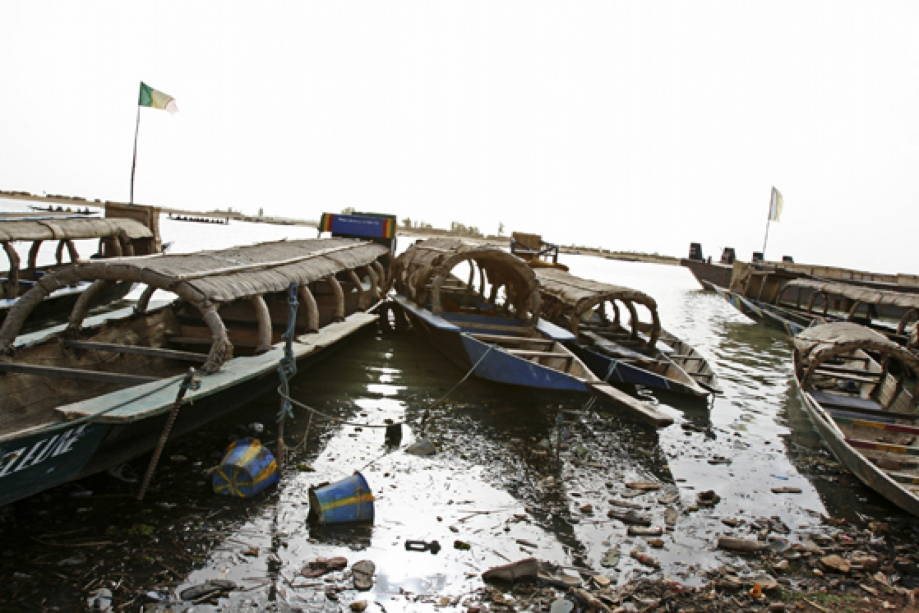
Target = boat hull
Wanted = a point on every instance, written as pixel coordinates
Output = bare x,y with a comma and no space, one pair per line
117,436
618,371
759,312
715,274
491,363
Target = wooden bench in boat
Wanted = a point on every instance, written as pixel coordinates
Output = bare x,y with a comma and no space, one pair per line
187,356
847,377
510,340
56,372
685,358
854,404
829,368
878,425
527,353
904,477
888,447
616,350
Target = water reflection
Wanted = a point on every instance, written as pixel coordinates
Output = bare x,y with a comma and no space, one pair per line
499,482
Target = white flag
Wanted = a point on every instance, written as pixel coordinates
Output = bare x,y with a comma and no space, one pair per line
776,202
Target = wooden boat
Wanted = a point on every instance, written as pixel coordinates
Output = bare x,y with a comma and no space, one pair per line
766,314
791,303
534,251
490,325
709,273
88,399
640,353
124,230
861,406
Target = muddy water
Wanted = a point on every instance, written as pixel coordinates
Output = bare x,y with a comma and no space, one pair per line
516,474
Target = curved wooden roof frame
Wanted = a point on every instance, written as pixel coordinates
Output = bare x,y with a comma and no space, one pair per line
421,271
576,296
824,342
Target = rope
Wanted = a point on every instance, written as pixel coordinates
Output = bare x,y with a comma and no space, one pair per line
285,395
614,364
288,366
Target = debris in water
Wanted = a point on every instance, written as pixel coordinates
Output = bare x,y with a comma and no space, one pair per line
363,574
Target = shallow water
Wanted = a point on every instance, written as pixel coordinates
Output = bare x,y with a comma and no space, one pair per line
499,481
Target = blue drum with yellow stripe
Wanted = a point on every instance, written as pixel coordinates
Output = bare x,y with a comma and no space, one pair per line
348,500
247,468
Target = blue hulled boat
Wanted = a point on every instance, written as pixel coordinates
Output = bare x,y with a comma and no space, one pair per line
637,353
490,324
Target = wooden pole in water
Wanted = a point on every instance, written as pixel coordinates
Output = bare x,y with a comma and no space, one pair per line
187,382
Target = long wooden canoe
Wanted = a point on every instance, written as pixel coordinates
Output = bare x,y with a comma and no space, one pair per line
638,352
490,323
87,398
862,407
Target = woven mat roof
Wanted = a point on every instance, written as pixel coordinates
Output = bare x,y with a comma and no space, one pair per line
855,292
72,229
582,294
228,274
822,342
429,262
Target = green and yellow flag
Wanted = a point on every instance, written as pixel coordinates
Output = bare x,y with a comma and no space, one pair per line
156,99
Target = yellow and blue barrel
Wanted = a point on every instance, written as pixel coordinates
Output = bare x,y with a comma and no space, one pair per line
348,500
247,468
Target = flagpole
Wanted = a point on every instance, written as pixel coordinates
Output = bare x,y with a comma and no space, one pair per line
134,163
766,239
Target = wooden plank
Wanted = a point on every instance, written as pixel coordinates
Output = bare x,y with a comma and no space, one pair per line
55,372
903,477
849,371
135,404
156,352
528,353
886,447
641,410
877,425
194,340
513,340
477,326
838,375
674,356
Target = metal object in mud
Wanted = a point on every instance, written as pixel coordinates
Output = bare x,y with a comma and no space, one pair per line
348,500
433,546
247,468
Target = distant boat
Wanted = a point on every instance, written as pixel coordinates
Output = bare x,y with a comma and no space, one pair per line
87,399
640,352
490,324
124,231
534,251
790,303
862,407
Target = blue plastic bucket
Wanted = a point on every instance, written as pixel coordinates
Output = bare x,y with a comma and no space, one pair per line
348,500
247,468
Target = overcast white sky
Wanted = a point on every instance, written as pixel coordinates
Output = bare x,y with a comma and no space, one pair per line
627,125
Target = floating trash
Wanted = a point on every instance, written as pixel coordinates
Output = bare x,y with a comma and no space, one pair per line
348,500
247,468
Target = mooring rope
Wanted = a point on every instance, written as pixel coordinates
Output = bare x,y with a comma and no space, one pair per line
288,366
285,395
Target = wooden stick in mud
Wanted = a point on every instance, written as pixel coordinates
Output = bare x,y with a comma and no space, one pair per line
187,382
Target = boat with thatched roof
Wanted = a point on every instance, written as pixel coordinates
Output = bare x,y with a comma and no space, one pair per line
89,398
490,323
124,231
639,352
791,303
853,382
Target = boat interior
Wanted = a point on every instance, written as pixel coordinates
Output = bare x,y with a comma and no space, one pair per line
870,395
158,343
